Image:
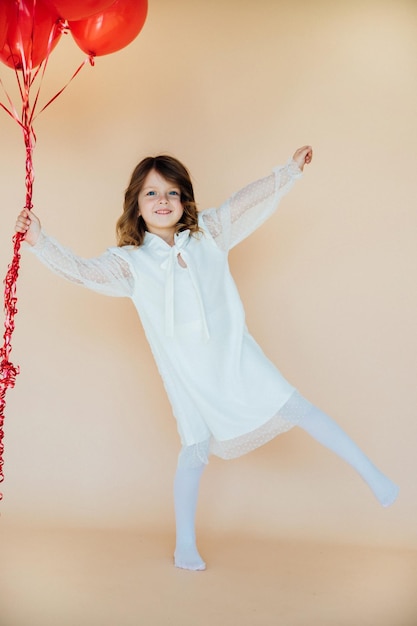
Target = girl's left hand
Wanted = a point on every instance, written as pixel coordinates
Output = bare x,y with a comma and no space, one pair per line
303,156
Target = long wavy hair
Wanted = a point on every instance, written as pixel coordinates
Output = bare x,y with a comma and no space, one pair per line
130,227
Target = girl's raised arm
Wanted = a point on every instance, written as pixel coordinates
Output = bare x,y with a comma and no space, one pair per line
109,274
247,209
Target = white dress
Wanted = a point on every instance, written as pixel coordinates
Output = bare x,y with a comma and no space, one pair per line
226,395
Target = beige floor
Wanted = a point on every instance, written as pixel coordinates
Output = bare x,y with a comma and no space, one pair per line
116,578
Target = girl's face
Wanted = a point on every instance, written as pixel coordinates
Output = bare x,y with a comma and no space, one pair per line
160,206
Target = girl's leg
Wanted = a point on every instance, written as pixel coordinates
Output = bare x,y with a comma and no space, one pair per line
322,428
186,487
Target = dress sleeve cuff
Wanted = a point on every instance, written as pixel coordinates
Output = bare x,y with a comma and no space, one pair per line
39,245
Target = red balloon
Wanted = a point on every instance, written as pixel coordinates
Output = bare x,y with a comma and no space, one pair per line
4,20
32,30
110,30
79,9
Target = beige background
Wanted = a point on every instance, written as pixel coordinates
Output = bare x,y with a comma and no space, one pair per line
232,89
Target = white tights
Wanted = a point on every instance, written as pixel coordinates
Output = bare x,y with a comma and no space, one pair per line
323,429
186,484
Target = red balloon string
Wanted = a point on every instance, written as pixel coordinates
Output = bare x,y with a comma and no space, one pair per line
8,371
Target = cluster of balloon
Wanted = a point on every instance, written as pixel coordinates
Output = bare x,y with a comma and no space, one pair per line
29,32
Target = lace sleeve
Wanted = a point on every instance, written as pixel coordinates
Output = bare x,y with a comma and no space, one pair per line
247,209
109,274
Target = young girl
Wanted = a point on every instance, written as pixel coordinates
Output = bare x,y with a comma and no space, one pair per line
172,261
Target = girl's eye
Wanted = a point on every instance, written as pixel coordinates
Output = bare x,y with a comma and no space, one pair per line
174,193
151,193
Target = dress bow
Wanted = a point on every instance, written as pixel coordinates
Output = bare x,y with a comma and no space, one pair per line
179,250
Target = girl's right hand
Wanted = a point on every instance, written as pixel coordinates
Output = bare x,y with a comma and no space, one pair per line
29,225
303,156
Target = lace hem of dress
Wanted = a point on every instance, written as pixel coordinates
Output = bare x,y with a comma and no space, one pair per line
288,416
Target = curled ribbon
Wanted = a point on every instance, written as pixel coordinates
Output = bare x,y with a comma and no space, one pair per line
8,371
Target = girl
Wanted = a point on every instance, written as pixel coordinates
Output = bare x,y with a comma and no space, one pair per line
227,397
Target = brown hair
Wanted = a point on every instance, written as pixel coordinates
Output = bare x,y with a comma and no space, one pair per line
130,227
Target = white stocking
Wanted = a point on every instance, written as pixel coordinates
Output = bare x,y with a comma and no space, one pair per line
186,487
322,428
301,413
